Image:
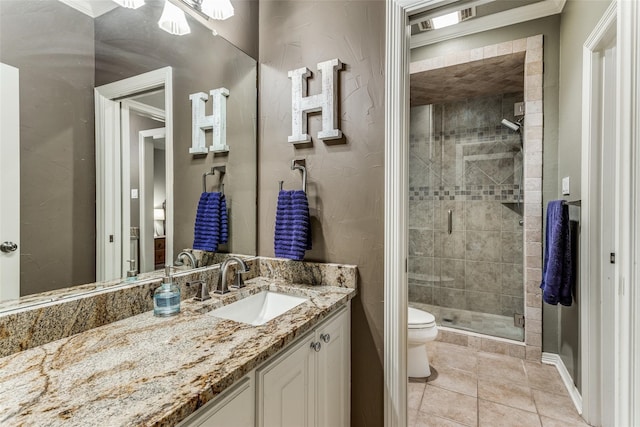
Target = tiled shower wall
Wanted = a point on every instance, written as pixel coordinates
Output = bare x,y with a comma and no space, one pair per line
462,159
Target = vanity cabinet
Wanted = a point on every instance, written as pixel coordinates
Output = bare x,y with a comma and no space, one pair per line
309,384
233,408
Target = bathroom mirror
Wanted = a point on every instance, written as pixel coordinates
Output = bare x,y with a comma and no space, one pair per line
61,55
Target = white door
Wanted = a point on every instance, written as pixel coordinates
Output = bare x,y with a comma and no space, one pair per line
286,389
9,183
333,367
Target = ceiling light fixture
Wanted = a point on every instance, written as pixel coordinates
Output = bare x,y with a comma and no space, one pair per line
173,20
130,4
445,20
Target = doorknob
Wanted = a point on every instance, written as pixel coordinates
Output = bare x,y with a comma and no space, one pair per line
8,247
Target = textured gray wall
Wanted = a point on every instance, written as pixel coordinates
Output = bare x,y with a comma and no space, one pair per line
345,181
200,62
57,166
549,27
576,24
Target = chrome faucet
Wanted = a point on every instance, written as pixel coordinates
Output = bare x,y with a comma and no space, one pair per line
182,255
222,277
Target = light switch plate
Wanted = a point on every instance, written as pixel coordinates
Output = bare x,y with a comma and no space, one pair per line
565,186
134,193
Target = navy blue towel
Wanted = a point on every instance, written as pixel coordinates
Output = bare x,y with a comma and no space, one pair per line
557,269
293,227
211,225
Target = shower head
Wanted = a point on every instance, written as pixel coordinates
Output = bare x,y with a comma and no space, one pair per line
511,125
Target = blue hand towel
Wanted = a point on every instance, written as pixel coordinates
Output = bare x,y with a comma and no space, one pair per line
557,269
293,227
211,226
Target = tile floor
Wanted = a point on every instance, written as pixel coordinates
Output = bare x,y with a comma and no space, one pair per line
471,388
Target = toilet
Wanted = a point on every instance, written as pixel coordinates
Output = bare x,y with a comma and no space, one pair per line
422,328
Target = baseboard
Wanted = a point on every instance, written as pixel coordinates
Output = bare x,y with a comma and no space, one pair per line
554,359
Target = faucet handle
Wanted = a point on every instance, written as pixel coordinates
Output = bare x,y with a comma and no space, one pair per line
203,291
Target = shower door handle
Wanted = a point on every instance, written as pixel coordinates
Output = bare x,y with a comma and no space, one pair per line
450,221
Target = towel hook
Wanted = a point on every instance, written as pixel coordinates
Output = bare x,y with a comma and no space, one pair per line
301,164
221,171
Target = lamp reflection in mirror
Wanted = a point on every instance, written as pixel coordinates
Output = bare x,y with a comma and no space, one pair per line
130,4
173,20
217,9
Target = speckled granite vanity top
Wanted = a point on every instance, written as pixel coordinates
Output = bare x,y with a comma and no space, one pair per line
145,370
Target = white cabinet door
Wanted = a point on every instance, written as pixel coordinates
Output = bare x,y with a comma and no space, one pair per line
234,408
333,367
286,388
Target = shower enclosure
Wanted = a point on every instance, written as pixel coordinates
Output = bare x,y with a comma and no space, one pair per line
466,202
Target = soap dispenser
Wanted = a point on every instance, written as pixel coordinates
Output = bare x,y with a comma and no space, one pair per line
166,299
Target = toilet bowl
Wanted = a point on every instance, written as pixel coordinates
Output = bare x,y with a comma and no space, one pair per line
422,328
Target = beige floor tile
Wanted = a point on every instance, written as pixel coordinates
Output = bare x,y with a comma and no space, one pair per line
499,366
550,422
427,420
453,357
544,377
556,406
454,406
505,392
454,380
414,394
495,415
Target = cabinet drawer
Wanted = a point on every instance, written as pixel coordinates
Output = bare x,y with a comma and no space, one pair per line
159,243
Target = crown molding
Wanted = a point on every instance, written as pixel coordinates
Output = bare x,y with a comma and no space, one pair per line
91,8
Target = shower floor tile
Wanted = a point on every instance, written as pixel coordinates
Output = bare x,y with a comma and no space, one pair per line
482,323
524,393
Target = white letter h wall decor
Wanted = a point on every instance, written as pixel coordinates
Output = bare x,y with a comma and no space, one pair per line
217,122
302,105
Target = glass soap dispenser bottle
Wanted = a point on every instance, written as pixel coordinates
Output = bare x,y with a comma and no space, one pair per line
166,299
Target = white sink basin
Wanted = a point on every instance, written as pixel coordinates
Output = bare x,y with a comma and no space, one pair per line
258,309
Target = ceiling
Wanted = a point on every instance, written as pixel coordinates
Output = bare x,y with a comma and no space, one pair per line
499,74
490,14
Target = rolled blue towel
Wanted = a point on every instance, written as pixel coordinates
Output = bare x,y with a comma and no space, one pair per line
557,266
211,224
292,234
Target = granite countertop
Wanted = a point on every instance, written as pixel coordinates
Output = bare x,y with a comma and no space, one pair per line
146,370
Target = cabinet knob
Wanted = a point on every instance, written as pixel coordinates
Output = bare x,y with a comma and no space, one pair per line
316,346
325,337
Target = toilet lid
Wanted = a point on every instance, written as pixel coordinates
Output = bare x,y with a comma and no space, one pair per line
420,319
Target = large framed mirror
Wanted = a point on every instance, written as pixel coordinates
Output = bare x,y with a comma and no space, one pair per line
93,198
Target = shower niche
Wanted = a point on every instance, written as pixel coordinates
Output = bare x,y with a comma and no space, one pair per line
466,196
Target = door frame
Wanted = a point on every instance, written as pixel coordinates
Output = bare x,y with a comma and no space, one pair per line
595,302
627,352
10,180
147,249
112,165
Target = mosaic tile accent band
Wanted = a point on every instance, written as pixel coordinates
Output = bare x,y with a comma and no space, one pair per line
501,193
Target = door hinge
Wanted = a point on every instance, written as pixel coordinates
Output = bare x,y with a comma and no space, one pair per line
110,238
518,320
612,257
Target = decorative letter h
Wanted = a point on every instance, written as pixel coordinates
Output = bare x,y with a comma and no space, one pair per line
217,122
302,105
